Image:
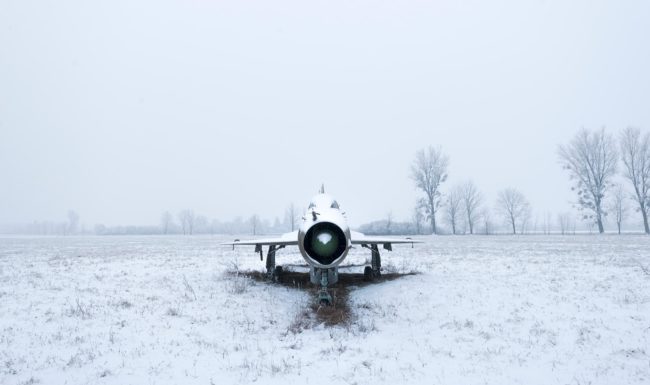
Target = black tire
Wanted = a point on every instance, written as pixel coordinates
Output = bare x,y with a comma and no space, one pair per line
277,273
367,274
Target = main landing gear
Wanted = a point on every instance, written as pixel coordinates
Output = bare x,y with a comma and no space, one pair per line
373,271
325,277
273,272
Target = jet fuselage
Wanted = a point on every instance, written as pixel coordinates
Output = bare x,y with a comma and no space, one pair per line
324,235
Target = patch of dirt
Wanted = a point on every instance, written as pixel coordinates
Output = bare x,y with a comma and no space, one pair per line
339,313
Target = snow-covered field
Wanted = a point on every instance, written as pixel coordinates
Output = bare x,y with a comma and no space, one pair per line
484,310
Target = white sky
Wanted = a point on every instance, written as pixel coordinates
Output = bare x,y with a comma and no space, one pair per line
122,109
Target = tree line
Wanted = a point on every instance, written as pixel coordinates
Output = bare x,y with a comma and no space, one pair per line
609,174
592,159
187,222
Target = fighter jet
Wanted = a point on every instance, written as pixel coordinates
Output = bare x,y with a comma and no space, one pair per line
324,239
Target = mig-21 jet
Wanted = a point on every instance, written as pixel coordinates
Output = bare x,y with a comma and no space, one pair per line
324,239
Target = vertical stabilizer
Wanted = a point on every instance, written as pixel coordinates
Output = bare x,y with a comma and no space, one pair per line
322,189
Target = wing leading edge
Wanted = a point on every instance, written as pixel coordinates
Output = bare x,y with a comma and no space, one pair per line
362,239
287,239
291,239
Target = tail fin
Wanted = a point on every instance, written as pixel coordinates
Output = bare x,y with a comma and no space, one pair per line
322,189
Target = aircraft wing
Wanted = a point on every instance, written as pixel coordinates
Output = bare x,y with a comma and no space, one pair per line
287,239
291,239
362,239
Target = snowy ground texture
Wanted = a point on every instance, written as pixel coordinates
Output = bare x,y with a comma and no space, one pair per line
484,310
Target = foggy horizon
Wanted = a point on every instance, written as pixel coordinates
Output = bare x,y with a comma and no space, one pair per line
123,111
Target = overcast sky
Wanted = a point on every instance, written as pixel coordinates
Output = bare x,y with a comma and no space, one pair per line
123,109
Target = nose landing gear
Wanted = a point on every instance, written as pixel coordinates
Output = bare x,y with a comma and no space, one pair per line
324,297
324,278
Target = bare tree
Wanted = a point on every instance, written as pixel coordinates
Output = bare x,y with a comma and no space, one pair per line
187,220
635,152
591,160
417,219
513,206
547,222
564,220
487,223
619,206
453,208
525,222
165,221
292,216
472,199
429,171
183,221
254,222
190,221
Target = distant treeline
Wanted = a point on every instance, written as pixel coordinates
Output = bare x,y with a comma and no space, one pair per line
610,176
538,225
185,223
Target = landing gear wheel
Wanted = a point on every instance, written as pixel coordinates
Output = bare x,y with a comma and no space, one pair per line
367,274
277,273
324,298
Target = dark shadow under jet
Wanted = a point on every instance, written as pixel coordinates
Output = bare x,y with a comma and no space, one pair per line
339,311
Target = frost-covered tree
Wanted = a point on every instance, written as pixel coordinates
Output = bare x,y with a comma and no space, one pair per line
187,219
513,207
619,206
472,199
166,220
429,171
591,159
453,208
635,152
564,220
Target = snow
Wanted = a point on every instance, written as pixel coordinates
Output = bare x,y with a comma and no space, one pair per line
495,310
